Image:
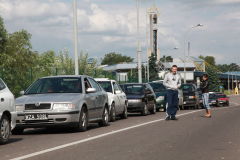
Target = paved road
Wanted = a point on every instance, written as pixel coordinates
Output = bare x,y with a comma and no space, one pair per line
138,137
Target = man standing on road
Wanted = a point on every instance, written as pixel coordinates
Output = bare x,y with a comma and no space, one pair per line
172,82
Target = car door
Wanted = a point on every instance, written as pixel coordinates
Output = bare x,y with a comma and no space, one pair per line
91,100
117,97
123,98
153,97
148,96
2,97
100,97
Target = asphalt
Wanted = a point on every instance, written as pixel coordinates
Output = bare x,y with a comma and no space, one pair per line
139,137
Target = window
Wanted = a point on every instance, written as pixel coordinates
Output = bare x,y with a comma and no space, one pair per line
2,86
115,87
187,87
133,89
94,84
106,85
56,85
158,87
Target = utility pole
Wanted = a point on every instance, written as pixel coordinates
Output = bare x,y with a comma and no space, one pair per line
147,45
139,49
75,36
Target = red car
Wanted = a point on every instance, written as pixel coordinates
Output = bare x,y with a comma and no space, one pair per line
224,100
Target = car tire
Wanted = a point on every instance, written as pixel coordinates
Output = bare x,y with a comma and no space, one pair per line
17,131
83,121
218,104
124,115
105,118
227,103
182,107
153,111
4,129
113,113
145,110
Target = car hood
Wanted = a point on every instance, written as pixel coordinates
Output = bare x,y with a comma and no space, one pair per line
134,96
160,94
50,97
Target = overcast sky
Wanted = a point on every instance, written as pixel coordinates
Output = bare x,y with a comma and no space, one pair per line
110,26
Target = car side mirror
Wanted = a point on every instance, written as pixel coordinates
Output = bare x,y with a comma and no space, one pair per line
149,92
91,90
118,92
21,93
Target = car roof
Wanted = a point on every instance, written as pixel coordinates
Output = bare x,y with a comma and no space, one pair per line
156,82
135,83
65,76
104,79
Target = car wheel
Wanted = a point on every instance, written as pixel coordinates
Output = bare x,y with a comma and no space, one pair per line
82,126
113,113
104,121
182,108
227,103
145,110
5,130
124,114
153,111
17,131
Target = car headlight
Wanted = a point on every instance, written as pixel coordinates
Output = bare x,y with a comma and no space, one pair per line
61,106
214,101
160,98
134,100
19,107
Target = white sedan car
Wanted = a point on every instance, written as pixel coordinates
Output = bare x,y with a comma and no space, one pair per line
8,115
117,99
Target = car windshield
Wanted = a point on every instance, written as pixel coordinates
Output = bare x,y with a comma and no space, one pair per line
158,87
106,85
133,89
222,96
212,95
55,85
187,87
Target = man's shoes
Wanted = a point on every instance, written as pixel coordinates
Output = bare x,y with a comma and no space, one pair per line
175,119
168,119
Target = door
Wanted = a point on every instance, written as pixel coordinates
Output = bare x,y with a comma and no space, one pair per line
117,98
2,96
100,97
150,97
91,100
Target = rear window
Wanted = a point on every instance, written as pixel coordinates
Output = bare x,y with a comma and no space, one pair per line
212,95
2,85
133,89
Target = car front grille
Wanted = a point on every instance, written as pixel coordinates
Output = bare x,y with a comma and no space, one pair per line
34,107
35,122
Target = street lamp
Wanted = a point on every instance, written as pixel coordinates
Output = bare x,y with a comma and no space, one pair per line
199,25
139,49
167,52
75,36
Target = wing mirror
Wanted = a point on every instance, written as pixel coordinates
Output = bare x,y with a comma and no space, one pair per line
21,93
118,92
91,90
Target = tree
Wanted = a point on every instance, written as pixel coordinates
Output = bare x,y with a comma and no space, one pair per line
209,59
3,39
168,59
113,58
213,78
153,68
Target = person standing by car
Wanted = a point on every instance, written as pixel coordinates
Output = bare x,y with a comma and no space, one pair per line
205,95
172,82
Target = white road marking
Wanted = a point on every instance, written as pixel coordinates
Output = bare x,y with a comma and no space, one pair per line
99,136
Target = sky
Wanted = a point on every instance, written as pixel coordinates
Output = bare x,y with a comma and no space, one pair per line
106,26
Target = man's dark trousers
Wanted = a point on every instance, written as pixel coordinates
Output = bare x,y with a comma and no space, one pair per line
172,100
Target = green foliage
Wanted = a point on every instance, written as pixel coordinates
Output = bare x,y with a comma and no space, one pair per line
209,59
168,59
143,73
114,58
213,78
225,68
153,68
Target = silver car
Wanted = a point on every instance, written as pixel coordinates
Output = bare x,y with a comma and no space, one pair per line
63,101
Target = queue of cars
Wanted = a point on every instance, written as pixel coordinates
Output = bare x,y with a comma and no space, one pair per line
76,101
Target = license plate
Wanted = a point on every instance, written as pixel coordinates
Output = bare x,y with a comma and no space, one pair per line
36,117
210,103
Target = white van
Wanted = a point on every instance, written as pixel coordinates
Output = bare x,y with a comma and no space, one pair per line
8,114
